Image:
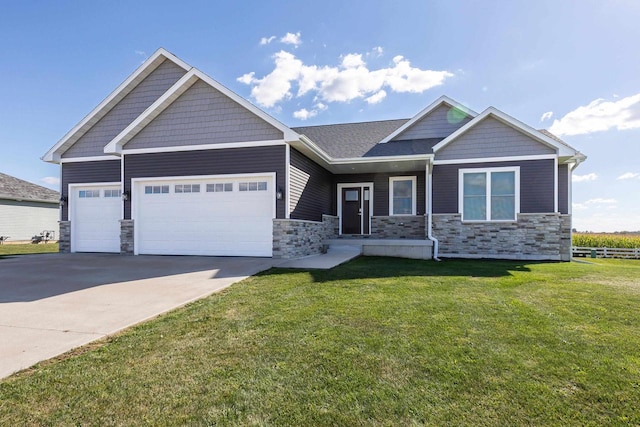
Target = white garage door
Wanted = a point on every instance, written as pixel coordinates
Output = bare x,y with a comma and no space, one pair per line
207,216
95,218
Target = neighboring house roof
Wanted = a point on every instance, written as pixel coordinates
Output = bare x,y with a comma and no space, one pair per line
348,140
12,188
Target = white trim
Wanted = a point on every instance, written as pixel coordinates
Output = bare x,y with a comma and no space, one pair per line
362,185
488,171
555,185
88,159
144,70
443,100
414,193
200,147
496,159
287,190
135,181
122,182
71,207
561,149
180,87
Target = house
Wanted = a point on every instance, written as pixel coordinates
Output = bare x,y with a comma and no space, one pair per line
173,162
26,209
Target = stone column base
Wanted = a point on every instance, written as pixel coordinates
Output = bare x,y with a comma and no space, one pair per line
126,237
64,237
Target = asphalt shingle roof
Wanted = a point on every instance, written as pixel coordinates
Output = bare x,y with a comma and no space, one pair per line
13,188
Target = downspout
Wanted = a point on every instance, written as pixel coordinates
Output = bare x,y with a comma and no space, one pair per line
430,210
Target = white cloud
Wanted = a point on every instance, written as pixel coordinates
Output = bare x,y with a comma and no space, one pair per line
291,38
50,180
579,206
629,175
376,97
350,80
546,116
304,114
601,201
583,178
600,115
267,40
377,51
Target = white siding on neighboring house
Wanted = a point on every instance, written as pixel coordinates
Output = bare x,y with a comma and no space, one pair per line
23,220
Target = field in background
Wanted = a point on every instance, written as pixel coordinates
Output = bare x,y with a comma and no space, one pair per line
606,240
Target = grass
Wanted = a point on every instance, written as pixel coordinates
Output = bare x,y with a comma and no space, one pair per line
606,240
27,248
377,341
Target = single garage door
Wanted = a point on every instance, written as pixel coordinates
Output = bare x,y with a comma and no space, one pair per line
95,218
225,216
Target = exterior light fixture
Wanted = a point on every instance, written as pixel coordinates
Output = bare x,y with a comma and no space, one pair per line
125,196
63,200
279,194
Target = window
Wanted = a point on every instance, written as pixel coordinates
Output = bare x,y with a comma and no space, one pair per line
156,189
220,187
112,193
402,195
86,194
253,186
490,194
187,188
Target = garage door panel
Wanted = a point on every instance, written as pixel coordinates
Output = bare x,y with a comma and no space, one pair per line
234,223
95,219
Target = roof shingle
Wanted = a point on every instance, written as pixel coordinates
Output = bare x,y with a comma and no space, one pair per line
13,188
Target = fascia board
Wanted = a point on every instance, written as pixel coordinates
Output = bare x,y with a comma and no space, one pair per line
443,100
146,68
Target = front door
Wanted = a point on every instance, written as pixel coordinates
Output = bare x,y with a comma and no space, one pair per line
355,209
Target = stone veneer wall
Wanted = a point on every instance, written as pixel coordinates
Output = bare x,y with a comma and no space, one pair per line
293,238
126,237
532,237
398,227
64,237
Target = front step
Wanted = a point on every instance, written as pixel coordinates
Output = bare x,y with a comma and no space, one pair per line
400,248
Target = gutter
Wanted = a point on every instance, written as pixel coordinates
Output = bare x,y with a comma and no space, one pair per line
430,213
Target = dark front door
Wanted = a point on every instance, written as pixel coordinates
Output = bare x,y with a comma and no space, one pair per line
352,210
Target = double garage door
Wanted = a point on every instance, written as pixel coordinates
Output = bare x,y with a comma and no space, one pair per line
225,216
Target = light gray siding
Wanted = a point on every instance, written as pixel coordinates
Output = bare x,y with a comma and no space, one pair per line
492,138
23,220
203,115
142,96
439,123
311,189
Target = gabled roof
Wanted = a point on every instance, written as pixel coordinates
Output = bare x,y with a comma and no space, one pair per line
12,188
563,149
173,93
348,140
112,100
443,100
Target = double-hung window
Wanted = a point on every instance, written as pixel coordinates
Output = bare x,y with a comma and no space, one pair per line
491,194
402,195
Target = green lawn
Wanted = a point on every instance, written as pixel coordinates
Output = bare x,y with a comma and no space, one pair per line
27,248
378,341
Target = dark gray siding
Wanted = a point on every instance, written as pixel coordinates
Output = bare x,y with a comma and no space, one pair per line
89,172
311,191
131,106
563,189
381,189
203,115
536,185
207,162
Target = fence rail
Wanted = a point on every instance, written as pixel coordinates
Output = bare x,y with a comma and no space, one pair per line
580,251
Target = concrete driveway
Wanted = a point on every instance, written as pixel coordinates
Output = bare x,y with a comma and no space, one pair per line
52,303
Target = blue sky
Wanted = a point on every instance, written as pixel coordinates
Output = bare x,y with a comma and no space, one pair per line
340,61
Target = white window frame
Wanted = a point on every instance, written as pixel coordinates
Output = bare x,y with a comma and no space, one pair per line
414,193
488,171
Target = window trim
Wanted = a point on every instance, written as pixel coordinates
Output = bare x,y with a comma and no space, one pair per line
488,171
414,193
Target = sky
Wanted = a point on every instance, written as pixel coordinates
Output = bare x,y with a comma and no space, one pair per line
569,66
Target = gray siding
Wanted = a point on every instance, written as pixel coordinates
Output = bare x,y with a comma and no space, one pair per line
207,162
437,124
131,106
492,138
203,115
536,185
89,172
311,191
23,220
563,189
381,189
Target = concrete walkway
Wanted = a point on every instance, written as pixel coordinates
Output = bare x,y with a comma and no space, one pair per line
52,303
335,256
